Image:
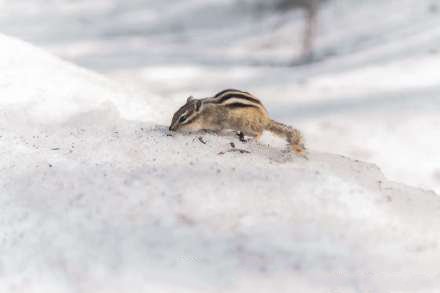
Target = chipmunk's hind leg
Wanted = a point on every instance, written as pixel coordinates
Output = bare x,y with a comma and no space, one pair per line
252,134
241,136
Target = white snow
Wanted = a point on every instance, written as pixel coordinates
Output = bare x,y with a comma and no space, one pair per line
47,93
96,197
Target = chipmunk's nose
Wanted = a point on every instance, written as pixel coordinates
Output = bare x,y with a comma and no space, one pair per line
172,128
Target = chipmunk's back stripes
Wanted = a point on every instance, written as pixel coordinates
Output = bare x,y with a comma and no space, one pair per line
237,95
239,105
229,90
230,93
233,98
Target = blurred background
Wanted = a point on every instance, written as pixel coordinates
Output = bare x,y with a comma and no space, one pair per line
359,78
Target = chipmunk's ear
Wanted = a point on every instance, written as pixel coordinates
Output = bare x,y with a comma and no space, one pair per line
190,98
198,105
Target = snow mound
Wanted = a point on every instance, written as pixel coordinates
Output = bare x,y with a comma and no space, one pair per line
39,88
93,199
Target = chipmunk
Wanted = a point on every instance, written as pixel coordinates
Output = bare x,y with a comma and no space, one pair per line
233,110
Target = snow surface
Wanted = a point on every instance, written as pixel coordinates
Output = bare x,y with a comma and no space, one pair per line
95,196
373,94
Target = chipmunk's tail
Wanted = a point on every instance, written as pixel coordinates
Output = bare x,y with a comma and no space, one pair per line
292,135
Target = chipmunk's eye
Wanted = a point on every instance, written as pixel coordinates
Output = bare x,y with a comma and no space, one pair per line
182,119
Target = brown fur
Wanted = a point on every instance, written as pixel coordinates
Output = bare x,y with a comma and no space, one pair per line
292,135
247,118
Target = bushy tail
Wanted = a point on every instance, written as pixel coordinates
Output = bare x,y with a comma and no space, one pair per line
292,135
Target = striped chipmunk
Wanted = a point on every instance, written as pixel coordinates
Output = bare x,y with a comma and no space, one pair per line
233,110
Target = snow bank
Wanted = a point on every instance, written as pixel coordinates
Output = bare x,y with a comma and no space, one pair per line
39,88
360,83
94,197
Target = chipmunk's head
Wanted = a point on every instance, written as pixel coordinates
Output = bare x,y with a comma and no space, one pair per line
185,118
